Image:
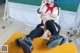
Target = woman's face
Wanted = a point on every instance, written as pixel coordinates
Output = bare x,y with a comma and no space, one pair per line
49,1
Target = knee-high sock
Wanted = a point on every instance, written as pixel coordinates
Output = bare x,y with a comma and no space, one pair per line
37,32
51,27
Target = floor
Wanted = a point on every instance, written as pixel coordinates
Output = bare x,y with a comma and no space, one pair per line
17,26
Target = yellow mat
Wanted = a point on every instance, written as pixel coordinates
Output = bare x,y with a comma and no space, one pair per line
39,46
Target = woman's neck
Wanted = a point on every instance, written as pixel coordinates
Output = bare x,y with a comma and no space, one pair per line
51,5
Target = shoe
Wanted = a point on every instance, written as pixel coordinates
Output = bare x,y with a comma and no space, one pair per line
54,41
17,42
25,43
63,40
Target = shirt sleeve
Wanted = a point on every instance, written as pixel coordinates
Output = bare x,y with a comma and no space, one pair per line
55,11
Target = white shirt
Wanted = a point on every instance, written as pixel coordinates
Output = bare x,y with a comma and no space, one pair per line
55,12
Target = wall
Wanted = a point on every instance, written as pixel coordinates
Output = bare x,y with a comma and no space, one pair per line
70,5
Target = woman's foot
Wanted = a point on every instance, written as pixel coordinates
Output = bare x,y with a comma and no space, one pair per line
25,43
63,40
54,41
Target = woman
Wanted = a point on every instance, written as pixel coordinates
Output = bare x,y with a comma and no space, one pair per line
49,12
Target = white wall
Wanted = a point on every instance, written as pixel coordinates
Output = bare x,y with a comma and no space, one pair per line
77,25
28,15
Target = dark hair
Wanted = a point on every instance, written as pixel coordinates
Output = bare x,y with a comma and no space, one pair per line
56,3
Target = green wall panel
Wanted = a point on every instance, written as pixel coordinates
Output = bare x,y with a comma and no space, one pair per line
70,5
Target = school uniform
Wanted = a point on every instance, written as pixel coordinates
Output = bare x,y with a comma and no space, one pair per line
50,24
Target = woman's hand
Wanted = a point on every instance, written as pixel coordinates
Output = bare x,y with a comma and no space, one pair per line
44,2
52,15
42,5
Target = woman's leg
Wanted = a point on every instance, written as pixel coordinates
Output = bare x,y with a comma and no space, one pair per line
37,32
51,26
55,39
26,42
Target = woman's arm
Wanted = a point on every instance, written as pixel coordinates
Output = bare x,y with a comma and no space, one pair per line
42,5
53,15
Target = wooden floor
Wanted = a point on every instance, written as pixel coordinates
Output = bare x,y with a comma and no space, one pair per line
17,26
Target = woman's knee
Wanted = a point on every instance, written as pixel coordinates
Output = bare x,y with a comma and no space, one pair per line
51,27
48,22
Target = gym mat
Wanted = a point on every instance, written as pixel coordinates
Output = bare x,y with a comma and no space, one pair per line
39,45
